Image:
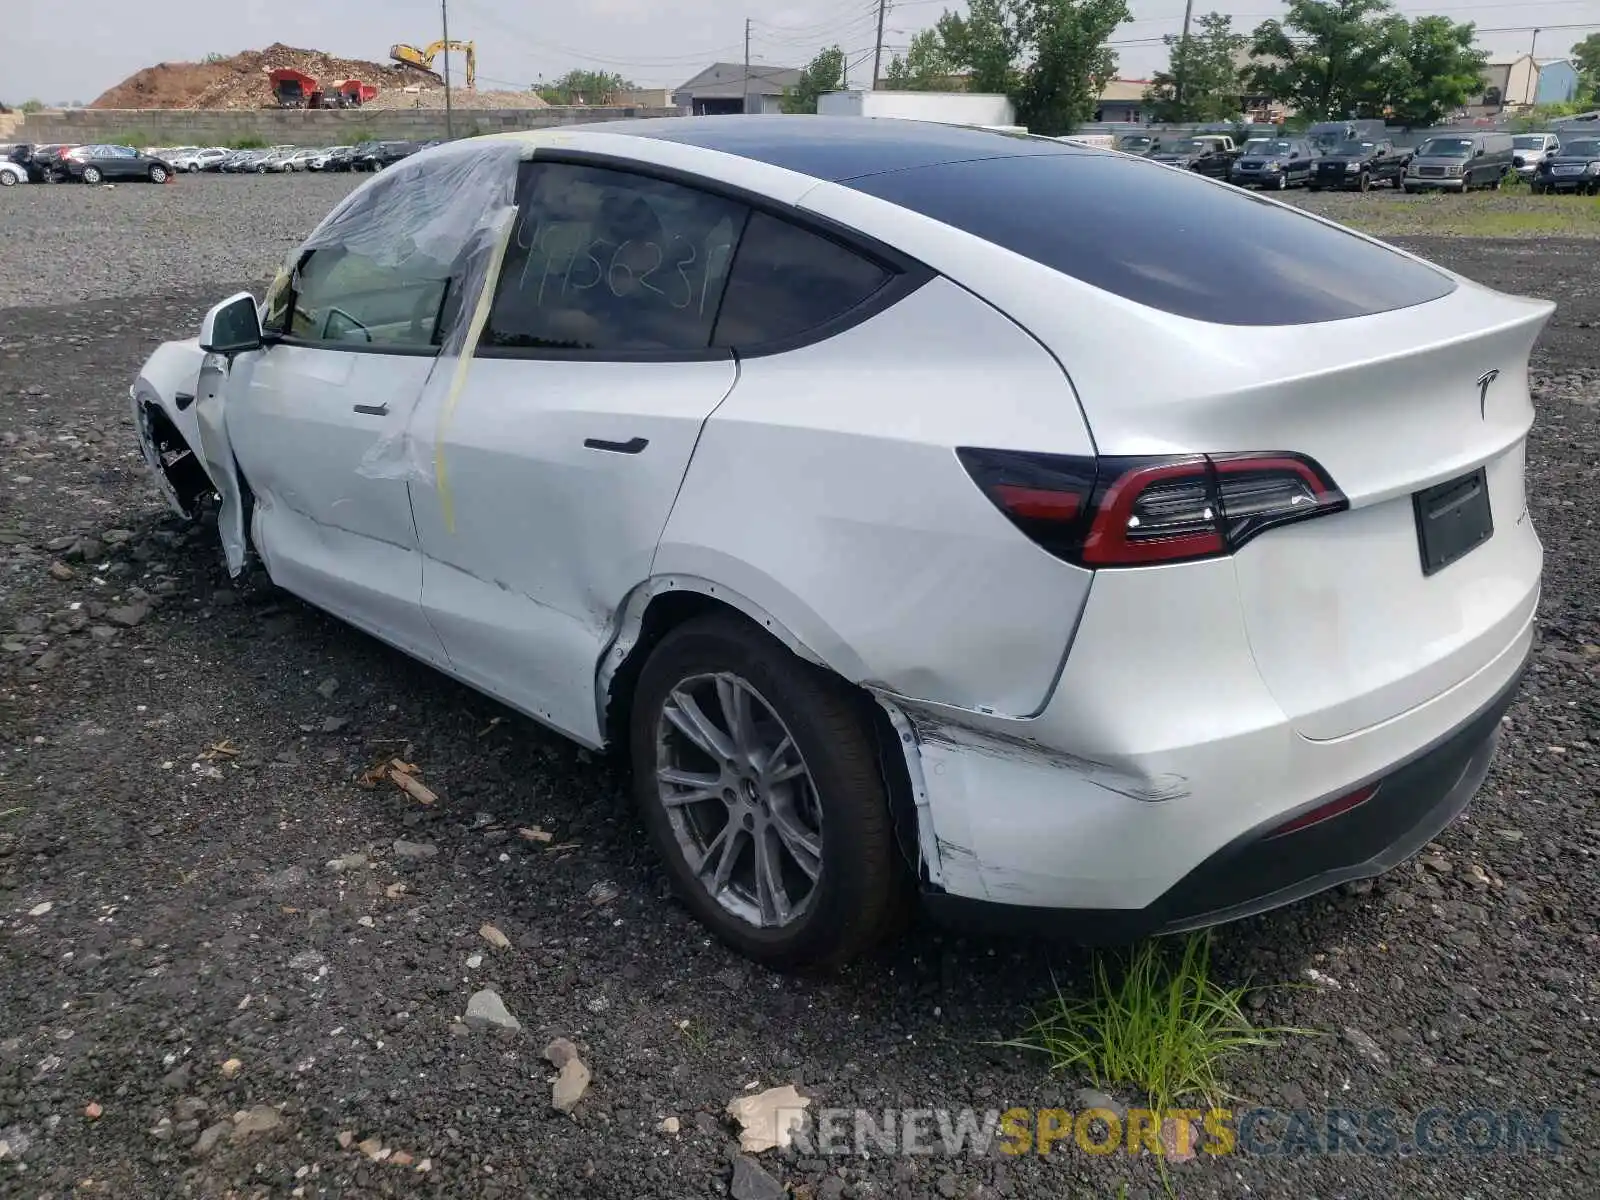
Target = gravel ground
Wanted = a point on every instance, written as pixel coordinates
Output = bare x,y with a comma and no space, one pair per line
224,974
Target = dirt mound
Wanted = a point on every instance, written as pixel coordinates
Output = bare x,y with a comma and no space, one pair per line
241,81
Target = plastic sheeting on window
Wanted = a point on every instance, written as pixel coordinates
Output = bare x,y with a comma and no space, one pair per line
454,208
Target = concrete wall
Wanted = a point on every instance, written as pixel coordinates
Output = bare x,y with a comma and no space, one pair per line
299,127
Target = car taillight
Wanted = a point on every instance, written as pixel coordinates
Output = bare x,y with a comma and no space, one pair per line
1123,512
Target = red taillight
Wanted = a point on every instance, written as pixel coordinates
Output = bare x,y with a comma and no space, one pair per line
1121,512
1326,812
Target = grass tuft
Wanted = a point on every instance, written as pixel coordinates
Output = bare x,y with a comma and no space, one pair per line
1160,1023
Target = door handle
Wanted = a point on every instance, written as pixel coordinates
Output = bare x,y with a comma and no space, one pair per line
631,446
373,410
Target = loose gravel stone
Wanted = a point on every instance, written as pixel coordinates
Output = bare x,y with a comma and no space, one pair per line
485,1010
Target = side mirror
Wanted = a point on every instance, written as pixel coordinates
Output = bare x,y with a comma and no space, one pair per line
1478,153
232,327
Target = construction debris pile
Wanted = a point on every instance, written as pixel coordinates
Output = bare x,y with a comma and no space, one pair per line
241,81
416,96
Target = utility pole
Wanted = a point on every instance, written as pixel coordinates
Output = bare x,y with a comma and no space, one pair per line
877,49
1535,44
744,104
1183,54
449,117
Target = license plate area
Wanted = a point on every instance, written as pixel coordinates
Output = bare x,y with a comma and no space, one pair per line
1453,519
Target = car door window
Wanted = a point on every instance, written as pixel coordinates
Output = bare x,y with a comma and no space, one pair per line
345,299
610,262
788,282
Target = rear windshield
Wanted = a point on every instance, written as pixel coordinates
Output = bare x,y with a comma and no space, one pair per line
1164,238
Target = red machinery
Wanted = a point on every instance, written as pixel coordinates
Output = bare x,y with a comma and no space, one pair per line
294,89
352,93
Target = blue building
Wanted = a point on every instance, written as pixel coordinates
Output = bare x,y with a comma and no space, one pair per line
1558,82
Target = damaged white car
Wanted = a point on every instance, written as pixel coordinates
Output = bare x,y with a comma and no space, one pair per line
1097,573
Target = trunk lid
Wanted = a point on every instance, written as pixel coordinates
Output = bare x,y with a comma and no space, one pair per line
1347,629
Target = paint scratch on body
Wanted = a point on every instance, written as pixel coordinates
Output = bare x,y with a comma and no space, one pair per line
1151,789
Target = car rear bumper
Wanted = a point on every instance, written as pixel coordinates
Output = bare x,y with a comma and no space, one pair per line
1264,867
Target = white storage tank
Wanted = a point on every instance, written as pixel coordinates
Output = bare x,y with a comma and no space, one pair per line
950,108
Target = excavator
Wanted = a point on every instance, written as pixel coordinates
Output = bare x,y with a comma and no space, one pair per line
423,59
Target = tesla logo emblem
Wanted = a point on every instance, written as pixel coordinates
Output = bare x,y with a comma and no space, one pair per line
1484,381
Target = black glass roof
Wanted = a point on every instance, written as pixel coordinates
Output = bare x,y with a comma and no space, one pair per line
840,148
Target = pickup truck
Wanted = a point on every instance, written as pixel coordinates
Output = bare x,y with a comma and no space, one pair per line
1359,163
1210,154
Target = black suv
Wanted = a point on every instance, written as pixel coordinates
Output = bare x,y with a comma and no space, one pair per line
1358,164
1575,167
384,154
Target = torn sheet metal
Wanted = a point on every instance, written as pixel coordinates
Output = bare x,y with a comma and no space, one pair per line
216,454
1001,817
453,208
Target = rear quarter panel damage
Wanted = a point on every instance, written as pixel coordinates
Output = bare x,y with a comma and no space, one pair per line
826,489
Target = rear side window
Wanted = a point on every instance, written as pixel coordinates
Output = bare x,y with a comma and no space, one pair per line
612,262
1165,239
787,282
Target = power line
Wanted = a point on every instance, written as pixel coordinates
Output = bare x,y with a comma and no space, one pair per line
701,56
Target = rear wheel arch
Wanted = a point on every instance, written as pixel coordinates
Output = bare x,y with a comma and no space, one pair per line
651,611
663,604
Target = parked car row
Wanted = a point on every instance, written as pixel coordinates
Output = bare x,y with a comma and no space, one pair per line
286,160
1447,162
24,163
98,163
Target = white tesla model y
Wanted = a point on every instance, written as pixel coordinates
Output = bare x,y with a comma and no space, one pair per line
919,508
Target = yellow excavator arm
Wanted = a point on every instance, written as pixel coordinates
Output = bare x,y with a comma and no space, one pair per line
423,59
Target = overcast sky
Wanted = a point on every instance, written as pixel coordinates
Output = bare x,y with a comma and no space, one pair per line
75,49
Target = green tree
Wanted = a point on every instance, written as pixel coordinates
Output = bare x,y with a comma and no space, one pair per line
1201,69
825,73
1049,56
582,87
1435,71
1328,58
925,66
1586,57
984,43
32,106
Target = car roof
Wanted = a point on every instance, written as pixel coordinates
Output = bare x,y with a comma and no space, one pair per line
837,148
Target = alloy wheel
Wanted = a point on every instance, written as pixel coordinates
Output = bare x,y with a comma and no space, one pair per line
739,799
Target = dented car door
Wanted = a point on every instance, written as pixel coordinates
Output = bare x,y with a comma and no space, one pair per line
560,459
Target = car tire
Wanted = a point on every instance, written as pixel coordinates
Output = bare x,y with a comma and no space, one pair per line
261,170
1283,183
193,168
8,179
833,812
158,175
92,175
1364,183
1312,187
